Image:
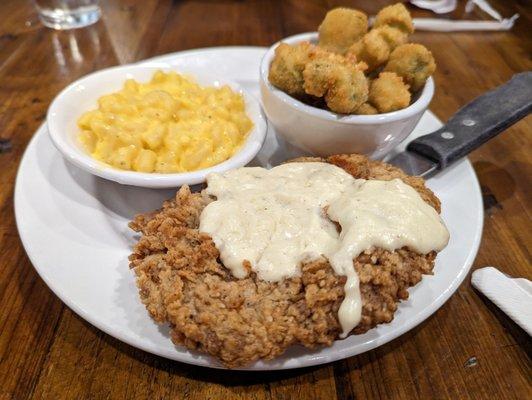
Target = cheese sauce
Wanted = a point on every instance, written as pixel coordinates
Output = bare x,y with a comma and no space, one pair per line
278,218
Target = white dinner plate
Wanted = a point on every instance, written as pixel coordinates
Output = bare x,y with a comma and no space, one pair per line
74,228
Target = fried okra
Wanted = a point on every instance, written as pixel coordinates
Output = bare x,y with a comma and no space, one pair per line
338,81
341,28
389,93
414,63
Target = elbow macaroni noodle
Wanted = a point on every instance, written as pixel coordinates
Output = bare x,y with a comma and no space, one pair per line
170,124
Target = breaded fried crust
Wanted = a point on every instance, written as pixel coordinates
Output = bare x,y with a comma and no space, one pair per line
182,282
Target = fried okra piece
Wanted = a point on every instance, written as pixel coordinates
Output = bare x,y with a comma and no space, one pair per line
286,69
341,28
366,109
338,81
389,93
395,16
414,63
375,47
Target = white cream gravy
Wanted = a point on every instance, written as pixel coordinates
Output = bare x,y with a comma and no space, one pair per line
277,218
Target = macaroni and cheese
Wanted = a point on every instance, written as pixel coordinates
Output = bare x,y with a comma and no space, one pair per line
170,124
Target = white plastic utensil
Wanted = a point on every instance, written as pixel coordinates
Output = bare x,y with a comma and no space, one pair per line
511,295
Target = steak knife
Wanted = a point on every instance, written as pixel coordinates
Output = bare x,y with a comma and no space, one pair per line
473,125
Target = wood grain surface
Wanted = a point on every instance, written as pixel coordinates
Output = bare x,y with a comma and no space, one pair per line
467,350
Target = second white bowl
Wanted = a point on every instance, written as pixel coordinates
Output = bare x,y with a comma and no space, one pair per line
82,96
324,133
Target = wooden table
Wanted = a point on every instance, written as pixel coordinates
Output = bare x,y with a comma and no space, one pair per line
468,349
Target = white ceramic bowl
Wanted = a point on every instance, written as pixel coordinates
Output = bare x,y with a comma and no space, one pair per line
82,96
323,133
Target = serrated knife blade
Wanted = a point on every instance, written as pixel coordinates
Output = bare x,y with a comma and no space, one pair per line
414,164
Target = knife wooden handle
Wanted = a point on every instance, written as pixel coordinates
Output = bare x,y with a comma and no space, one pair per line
478,121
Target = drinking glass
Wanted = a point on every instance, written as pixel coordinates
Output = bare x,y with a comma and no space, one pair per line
68,14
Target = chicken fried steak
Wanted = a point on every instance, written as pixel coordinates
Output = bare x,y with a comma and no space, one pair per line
182,282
